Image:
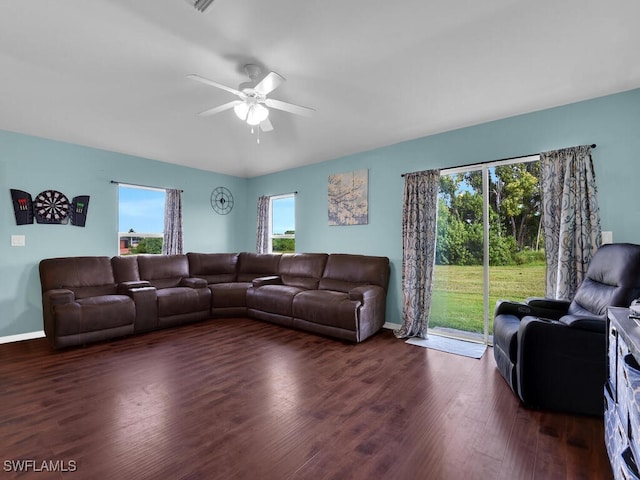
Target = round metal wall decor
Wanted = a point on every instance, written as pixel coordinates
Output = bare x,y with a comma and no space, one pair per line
221,200
51,206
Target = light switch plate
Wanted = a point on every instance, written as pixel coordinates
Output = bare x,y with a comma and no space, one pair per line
17,240
607,237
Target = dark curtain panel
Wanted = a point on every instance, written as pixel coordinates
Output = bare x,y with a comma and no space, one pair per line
419,228
571,218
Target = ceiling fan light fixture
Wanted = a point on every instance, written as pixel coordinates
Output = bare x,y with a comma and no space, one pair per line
253,105
241,110
257,113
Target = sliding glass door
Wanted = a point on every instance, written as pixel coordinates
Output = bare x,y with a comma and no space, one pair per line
489,244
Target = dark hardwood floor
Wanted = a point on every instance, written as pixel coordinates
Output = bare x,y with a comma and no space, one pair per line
242,399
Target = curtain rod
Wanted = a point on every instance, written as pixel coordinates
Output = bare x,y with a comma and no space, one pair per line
593,145
281,194
138,185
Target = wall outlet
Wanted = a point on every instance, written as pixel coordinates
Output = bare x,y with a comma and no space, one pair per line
607,237
17,240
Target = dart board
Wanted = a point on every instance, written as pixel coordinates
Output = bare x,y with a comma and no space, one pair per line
51,206
221,200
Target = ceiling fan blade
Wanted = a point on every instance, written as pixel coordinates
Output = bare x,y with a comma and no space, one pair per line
266,126
269,83
289,107
206,81
221,108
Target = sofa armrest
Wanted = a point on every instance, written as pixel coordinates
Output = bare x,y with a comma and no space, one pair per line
548,307
536,307
270,280
59,296
372,309
193,282
585,322
561,368
51,299
517,309
145,300
364,292
125,287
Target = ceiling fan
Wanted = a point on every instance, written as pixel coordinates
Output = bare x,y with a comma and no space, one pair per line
253,102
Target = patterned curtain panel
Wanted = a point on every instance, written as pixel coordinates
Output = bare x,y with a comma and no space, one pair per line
571,218
172,243
419,227
262,237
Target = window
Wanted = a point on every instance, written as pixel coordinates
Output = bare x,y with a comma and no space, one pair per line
282,224
140,219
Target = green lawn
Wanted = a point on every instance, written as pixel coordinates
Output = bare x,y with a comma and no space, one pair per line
458,296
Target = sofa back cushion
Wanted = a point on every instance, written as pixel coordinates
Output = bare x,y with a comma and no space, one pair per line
84,276
163,271
612,280
125,268
213,267
254,265
344,272
302,270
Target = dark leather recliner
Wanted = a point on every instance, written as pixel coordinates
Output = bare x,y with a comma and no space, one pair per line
81,302
552,353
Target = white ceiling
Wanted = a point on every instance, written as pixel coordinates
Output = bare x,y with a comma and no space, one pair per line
112,73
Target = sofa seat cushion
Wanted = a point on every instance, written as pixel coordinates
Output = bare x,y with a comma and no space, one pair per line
273,298
226,295
327,307
179,300
94,313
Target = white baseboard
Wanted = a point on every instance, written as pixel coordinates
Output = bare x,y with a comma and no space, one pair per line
391,326
22,336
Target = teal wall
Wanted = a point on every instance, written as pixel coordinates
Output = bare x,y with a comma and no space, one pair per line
35,164
612,122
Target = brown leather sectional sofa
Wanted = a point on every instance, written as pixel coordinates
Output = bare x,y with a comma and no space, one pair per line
88,299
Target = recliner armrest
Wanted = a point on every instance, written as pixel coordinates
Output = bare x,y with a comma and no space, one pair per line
583,322
365,292
548,303
193,282
59,296
125,287
518,309
357,294
548,307
270,280
536,307
145,299
561,368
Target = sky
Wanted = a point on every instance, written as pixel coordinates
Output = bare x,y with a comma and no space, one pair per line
283,215
141,209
